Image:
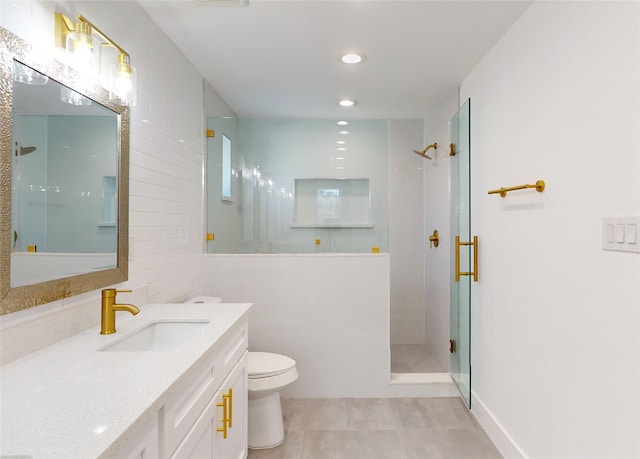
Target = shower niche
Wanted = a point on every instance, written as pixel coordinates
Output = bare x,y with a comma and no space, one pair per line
332,203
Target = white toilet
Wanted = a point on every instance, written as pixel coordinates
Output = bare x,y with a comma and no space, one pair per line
204,299
268,374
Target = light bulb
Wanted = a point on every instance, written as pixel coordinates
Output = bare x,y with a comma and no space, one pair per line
124,85
351,58
83,55
123,81
83,51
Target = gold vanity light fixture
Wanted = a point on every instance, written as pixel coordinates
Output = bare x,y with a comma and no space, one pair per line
82,48
423,153
83,41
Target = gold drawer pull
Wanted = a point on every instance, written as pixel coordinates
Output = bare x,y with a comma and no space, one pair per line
230,407
225,419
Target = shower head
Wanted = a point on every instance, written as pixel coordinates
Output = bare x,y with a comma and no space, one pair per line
27,150
423,153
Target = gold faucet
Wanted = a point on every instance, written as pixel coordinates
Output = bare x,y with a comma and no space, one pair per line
109,308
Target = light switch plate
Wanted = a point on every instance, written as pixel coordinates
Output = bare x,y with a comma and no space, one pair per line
620,234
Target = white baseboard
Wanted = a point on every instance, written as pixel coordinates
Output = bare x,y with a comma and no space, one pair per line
498,435
420,378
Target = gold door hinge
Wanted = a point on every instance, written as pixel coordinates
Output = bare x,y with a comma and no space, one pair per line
211,236
211,133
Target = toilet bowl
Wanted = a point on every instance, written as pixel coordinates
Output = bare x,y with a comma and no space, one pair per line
268,375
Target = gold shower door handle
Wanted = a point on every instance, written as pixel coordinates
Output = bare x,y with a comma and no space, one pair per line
473,273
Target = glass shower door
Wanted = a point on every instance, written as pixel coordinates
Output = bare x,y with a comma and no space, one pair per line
463,246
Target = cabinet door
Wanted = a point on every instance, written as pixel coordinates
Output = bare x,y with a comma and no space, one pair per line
185,407
198,444
206,439
235,387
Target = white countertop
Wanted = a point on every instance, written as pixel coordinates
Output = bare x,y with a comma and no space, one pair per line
70,400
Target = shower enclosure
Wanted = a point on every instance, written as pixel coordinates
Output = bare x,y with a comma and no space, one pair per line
464,254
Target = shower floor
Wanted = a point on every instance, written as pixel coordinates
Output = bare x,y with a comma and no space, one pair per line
413,358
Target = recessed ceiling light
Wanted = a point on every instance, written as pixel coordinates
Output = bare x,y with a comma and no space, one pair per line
339,167
342,123
343,132
341,142
340,158
341,149
352,58
347,102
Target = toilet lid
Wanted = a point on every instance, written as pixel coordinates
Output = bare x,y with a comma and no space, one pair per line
264,364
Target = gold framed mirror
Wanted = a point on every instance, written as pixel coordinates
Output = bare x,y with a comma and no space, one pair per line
56,266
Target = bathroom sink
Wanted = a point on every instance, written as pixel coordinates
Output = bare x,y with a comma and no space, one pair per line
157,336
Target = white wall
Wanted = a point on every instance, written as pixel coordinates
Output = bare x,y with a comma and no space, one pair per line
406,232
166,174
556,320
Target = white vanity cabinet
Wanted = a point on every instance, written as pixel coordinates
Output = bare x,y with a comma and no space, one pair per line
207,416
154,404
221,430
144,445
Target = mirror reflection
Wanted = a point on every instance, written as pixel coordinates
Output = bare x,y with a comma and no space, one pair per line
64,181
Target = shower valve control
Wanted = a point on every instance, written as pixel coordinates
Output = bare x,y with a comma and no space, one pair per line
434,239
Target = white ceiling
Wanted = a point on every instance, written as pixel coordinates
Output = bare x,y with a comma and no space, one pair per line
280,59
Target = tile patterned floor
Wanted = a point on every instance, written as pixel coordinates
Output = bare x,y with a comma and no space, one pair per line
396,428
413,358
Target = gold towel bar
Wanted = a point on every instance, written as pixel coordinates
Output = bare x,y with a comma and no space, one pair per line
539,186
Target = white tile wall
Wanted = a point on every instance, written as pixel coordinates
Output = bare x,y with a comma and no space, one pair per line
437,217
329,312
406,231
166,168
